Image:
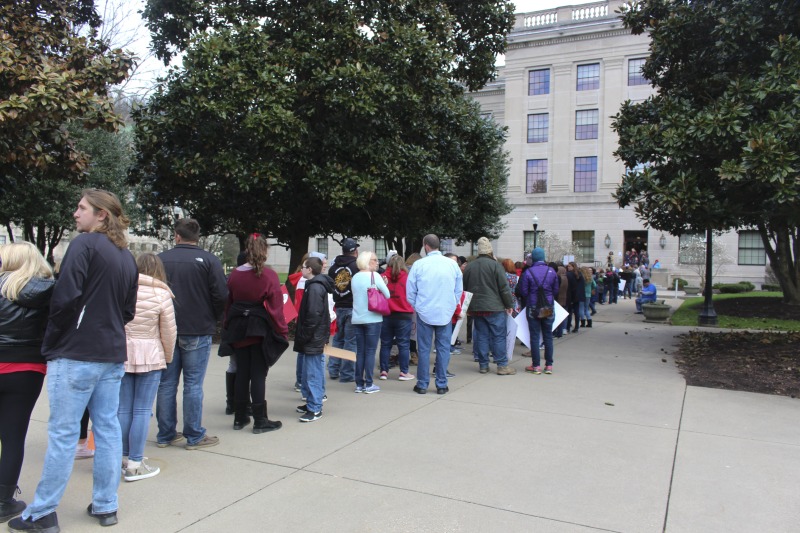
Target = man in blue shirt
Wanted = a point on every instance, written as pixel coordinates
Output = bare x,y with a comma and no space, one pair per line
434,290
648,295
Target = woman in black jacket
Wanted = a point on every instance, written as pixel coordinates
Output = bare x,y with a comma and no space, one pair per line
311,335
26,285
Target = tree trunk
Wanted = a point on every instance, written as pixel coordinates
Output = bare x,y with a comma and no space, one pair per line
414,245
298,247
783,259
10,231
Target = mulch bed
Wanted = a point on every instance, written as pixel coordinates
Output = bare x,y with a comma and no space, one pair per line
765,362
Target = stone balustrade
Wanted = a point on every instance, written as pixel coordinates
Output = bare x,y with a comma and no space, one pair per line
566,15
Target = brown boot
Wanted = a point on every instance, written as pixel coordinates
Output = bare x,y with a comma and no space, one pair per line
506,371
414,360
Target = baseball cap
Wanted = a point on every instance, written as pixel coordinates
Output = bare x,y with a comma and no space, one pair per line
348,245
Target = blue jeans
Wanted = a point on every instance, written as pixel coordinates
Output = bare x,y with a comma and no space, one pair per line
71,387
425,333
298,369
191,357
583,310
367,336
400,330
490,334
136,396
345,338
541,327
313,380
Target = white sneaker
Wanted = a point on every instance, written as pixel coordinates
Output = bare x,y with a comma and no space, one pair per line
140,470
83,452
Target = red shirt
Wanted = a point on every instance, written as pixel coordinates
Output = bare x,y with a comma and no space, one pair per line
397,290
244,285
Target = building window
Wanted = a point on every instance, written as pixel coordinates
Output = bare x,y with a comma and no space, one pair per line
473,250
322,246
486,116
527,242
585,243
539,82
446,246
588,77
586,124
537,127
692,249
586,174
536,175
2,239
380,249
751,249
635,76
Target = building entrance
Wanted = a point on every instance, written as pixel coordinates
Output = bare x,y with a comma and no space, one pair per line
636,240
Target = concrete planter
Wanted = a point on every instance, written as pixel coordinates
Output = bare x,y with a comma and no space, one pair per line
656,312
689,290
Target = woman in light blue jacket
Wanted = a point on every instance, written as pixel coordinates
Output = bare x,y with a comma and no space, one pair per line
367,323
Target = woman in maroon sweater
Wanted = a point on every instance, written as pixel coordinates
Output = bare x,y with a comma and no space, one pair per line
254,284
397,326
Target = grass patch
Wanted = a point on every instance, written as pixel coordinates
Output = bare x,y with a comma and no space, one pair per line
687,313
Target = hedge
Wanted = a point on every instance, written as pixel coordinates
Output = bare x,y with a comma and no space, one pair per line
771,287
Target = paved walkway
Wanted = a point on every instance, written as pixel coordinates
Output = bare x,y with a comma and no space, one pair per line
614,440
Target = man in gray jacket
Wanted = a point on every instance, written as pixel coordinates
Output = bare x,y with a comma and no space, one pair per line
491,301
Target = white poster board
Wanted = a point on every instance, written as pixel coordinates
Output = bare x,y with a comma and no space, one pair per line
461,318
511,335
524,333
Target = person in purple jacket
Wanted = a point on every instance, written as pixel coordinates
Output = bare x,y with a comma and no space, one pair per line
85,348
539,275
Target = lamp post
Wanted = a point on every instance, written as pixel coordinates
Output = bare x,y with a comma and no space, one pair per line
708,316
535,221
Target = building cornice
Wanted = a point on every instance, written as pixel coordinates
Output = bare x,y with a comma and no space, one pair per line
531,43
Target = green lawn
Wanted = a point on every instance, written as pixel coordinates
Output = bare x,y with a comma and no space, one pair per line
686,314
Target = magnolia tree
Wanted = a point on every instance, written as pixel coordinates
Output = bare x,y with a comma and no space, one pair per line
555,248
693,257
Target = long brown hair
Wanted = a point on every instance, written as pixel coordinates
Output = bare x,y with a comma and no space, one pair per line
256,248
150,264
396,265
116,223
508,265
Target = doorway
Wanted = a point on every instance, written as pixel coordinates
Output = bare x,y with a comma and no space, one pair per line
636,240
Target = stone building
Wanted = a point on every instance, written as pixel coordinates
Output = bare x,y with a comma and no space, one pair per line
567,70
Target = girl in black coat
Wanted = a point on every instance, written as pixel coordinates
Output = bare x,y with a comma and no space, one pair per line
26,285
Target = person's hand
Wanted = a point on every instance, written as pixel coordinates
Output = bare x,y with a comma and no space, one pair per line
509,311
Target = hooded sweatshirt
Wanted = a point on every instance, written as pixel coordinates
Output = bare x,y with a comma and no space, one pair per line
342,272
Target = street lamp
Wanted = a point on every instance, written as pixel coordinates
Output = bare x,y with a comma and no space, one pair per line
607,241
535,221
662,241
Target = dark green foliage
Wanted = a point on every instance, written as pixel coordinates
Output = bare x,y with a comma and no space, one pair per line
320,118
770,287
718,146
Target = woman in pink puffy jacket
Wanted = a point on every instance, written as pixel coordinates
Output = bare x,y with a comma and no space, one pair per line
151,338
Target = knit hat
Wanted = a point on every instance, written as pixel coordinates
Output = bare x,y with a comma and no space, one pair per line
318,255
537,254
389,255
484,246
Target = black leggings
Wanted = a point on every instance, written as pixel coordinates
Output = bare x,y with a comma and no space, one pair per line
251,373
18,394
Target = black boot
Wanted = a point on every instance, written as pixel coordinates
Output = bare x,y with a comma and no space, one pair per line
46,524
240,418
262,424
583,323
230,379
9,507
589,323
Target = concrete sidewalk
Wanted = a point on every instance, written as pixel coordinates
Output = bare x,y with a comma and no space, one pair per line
614,440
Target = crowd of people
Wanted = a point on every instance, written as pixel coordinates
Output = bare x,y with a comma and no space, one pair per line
115,334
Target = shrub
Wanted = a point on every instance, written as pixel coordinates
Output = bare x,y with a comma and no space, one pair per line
750,286
771,287
681,283
729,288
